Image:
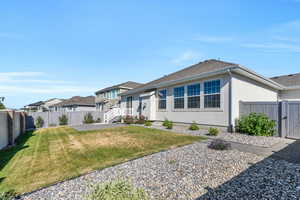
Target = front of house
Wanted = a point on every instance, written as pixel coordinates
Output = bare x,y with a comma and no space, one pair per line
208,93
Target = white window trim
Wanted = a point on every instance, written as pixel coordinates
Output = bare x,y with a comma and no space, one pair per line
220,93
184,98
187,95
158,99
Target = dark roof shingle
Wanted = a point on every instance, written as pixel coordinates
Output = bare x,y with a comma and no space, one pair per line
288,80
205,66
78,100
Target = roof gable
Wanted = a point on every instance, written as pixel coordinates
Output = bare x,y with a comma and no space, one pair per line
128,84
288,80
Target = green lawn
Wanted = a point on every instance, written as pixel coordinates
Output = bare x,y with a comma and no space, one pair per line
50,155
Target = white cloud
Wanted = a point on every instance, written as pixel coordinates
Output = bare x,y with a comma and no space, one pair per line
187,56
213,39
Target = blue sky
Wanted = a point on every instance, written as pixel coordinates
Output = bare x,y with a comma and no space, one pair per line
62,48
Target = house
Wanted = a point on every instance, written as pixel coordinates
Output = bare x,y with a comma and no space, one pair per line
108,98
51,102
208,93
35,107
42,106
75,103
291,84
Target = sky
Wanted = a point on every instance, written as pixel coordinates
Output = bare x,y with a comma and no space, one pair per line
63,48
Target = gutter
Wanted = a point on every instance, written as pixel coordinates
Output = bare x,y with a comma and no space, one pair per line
230,122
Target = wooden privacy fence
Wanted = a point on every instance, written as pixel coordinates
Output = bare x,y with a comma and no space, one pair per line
286,114
12,124
52,118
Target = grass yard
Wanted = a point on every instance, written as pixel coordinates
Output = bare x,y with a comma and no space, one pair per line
50,155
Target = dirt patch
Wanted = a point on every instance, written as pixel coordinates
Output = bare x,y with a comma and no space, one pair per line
74,142
112,139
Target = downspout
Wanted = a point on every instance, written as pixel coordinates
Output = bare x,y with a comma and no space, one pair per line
230,122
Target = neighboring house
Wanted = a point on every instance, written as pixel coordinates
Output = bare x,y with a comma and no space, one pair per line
108,98
207,93
291,83
35,107
75,103
42,106
51,102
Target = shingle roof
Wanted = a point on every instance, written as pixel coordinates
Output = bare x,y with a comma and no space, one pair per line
205,66
288,80
128,84
78,100
37,103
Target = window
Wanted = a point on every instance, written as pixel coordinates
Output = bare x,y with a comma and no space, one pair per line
179,97
129,102
194,96
162,102
212,94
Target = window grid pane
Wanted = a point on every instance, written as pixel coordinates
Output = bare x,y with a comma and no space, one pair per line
162,104
179,92
212,101
194,102
212,87
179,103
194,90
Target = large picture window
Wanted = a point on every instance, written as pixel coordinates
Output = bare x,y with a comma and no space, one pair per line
179,97
194,96
162,102
129,102
212,95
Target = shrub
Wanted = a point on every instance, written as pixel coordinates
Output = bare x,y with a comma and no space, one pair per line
118,190
98,120
256,124
39,122
141,120
63,120
7,195
148,123
219,145
52,125
194,127
128,120
165,122
88,119
213,131
169,125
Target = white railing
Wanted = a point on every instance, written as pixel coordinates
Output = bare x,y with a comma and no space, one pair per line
111,114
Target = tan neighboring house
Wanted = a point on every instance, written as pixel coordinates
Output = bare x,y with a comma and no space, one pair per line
109,98
208,93
76,103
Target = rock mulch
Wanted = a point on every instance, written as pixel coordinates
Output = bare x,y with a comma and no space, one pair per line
190,172
260,141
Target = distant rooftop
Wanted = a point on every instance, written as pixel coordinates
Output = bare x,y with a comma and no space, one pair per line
78,100
288,80
126,85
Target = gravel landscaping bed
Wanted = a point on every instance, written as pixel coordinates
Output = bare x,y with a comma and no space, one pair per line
190,172
260,141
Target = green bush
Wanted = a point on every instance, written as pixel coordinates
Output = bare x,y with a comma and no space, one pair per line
98,120
39,122
117,190
7,195
257,124
213,131
194,127
165,123
148,123
63,120
169,125
88,119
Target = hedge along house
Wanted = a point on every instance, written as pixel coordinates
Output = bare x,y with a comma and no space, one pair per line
207,93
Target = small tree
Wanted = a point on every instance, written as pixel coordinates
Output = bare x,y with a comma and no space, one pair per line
39,122
63,120
2,106
88,119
